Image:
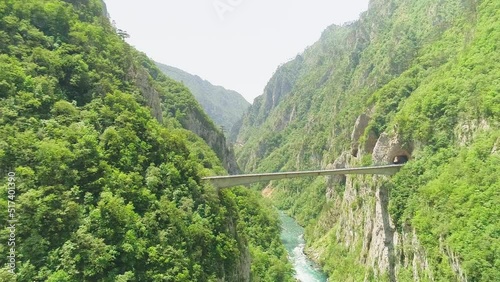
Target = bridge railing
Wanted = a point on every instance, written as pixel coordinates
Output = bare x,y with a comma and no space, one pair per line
244,179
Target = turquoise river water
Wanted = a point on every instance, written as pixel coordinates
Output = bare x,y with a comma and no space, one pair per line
292,236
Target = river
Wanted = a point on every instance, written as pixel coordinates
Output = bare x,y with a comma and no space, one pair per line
292,236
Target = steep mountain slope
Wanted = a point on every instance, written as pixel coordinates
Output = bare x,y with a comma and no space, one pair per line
102,176
224,107
184,108
410,79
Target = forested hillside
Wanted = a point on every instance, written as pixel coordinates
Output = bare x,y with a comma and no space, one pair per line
101,181
415,79
224,107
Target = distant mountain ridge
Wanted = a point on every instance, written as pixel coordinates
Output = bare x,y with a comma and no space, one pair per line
224,106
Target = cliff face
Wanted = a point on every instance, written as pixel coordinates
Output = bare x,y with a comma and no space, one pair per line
365,230
361,222
177,103
151,96
278,87
240,269
409,81
214,138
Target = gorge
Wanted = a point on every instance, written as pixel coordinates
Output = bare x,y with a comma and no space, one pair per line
110,154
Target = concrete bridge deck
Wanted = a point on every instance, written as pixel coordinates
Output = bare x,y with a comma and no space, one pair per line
244,179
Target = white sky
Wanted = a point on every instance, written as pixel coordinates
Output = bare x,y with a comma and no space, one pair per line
239,45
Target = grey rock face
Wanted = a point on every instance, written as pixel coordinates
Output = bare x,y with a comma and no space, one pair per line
389,149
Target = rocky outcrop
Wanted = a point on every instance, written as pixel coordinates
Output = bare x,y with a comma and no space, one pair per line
239,270
359,128
496,147
361,216
278,88
389,150
194,121
151,96
381,246
369,143
453,260
336,181
410,254
360,143
467,130
214,139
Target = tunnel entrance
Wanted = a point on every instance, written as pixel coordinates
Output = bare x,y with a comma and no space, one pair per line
400,159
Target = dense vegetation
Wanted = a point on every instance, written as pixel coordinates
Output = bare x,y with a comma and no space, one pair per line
224,107
107,182
426,72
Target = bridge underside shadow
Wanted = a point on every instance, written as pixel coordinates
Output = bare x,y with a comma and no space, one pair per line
245,179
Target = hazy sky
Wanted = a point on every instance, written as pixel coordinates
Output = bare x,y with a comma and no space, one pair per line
237,44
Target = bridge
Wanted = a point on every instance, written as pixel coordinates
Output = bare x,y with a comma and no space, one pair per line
244,179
